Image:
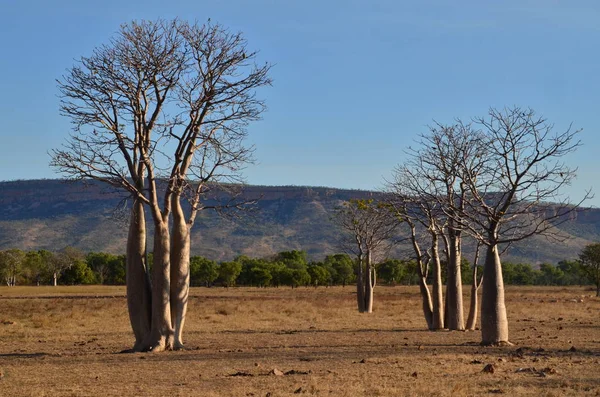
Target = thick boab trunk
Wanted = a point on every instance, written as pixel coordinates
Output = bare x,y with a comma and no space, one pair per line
438,299
494,323
180,271
454,298
161,331
139,299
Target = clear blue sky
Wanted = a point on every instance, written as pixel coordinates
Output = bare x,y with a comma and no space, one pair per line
354,81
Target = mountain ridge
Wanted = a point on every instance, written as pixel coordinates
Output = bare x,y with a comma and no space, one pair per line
54,213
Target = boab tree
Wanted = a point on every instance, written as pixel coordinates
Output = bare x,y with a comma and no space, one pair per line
142,107
496,183
425,221
515,196
431,184
476,282
369,227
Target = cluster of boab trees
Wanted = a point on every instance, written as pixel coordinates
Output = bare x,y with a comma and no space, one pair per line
161,112
169,101
494,181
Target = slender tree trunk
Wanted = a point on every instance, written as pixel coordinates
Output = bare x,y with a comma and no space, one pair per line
473,309
369,284
472,320
423,271
139,295
438,299
54,279
180,271
454,298
427,303
360,286
494,323
161,331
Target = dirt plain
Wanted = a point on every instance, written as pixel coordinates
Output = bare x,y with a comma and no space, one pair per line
66,341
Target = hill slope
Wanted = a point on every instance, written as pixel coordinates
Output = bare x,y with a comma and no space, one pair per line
51,214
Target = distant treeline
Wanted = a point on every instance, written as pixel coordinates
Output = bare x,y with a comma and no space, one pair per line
290,268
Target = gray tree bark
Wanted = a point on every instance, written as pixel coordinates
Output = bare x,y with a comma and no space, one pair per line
180,271
454,298
426,300
438,299
139,295
494,322
472,320
473,308
161,331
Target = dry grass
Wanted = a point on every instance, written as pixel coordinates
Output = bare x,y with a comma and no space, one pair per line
65,342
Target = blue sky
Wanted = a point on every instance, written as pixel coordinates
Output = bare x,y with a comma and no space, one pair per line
354,81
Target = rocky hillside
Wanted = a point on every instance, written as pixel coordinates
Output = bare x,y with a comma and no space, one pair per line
52,214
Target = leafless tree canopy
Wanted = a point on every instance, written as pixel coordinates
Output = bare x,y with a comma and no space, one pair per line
164,100
152,97
500,178
368,226
505,169
520,188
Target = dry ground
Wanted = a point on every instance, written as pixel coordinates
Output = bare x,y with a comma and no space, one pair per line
65,341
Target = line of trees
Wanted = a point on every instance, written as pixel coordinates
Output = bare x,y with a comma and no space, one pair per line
290,268
495,180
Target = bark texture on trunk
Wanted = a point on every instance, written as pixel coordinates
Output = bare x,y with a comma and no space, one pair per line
494,323
472,320
438,299
161,331
180,271
473,309
139,298
454,298
427,303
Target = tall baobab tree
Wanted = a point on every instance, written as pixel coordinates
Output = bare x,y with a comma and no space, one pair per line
142,106
510,197
500,183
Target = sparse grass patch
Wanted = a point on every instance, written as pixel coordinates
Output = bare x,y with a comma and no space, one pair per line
62,346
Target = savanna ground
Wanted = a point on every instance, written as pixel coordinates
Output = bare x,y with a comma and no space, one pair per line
65,341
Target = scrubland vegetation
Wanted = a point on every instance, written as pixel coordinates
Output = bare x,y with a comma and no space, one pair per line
288,268
64,341
487,182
